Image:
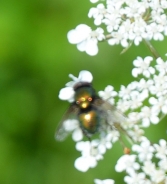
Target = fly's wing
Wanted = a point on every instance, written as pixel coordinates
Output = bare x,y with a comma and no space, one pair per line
112,115
71,113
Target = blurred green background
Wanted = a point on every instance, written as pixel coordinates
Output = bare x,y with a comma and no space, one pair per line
35,60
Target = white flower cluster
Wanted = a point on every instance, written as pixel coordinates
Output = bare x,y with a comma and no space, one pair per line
152,89
140,167
92,152
126,21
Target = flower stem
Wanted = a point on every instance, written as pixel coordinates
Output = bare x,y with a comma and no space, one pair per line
152,49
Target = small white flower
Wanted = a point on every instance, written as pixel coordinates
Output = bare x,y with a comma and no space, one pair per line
90,155
159,104
70,125
114,7
159,89
125,92
118,38
84,163
77,134
111,22
123,105
155,5
126,28
98,13
88,149
127,163
148,116
134,117
68,92
160,79
103,145
98,148
163,4
154,31
106,181
148,167
86,39
108,94
135,178
138,32
158,176
144,85
112,136
163,164
161,149
136,99
144,150
136,133
134,10
143,67
161,66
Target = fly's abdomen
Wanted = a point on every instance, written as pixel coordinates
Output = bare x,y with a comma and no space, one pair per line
89,121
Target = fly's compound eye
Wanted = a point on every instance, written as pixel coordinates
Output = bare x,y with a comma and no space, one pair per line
89,99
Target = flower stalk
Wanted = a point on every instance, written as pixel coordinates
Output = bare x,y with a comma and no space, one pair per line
154,52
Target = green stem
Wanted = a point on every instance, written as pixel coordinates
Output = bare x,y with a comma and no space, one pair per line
152,49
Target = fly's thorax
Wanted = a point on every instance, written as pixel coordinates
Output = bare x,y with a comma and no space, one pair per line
84,96
89,120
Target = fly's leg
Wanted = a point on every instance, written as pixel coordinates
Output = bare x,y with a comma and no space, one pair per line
86,134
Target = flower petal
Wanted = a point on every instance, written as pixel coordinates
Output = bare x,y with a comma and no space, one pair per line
85,76
81,164
78,34
66,94
106,181
91,47
77,135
